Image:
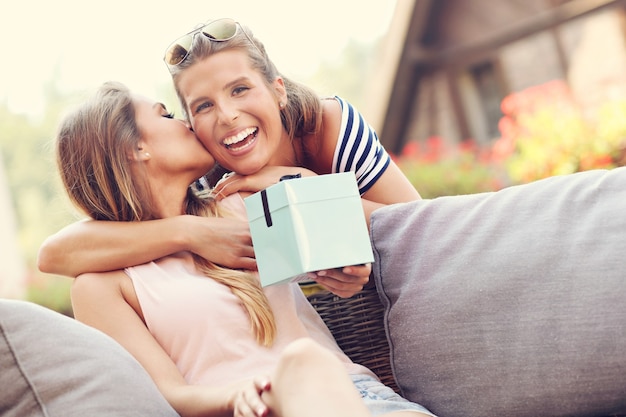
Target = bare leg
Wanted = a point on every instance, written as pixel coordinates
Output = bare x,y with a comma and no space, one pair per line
311,382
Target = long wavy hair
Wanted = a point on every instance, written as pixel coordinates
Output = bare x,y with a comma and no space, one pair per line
92,150
302,113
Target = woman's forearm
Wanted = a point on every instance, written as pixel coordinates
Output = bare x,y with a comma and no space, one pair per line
196,400
96,246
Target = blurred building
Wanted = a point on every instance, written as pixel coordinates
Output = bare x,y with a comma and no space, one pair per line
448,64
12,267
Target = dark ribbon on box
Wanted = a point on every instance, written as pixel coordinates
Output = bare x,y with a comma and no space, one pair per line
290,177
266,206
266,209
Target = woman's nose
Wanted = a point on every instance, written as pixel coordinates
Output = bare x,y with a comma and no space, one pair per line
227,113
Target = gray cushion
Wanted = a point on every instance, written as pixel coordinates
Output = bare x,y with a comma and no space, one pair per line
510,303
54,366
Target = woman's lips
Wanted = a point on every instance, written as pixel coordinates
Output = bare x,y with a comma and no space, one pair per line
241,140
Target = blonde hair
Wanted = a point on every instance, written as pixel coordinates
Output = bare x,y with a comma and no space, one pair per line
92,149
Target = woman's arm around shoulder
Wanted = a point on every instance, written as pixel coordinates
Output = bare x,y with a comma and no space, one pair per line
97,246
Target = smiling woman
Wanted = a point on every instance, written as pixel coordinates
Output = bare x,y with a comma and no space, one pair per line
214,340
80,54
233,94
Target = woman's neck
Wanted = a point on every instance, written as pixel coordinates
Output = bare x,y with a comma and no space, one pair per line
289,152
168,199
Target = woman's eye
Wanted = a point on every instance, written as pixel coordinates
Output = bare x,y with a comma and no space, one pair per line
239,90
202,106
169,115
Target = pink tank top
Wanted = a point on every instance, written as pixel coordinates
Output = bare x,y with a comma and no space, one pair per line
203,327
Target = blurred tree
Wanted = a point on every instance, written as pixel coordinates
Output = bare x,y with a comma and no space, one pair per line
40,207
12,266
346,76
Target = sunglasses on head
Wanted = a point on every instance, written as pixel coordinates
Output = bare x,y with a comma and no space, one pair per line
219,30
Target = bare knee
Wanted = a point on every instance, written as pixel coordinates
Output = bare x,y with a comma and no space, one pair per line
307,372
306,355
306,352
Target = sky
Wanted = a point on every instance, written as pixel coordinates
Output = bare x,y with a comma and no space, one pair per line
78,44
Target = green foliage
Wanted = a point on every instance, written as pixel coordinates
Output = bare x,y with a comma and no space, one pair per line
546,132
437,168
346,77
38,201
50,291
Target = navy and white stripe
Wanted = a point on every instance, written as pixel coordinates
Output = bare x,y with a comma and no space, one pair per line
358,149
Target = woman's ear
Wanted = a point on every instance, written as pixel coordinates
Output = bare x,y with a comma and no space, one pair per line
281,91
140,154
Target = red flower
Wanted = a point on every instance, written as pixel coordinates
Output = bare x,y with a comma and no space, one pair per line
411,150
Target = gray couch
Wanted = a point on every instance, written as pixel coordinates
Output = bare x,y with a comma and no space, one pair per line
510,303
54,366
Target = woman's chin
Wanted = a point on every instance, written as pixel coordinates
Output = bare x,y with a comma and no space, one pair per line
246,167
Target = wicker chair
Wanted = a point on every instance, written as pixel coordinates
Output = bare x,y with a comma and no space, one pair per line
357,323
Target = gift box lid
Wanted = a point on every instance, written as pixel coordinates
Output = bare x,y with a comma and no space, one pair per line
305,190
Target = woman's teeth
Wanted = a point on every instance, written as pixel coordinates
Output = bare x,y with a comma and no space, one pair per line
232,142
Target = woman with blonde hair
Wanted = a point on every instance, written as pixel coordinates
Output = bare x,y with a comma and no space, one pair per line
254,121
213,340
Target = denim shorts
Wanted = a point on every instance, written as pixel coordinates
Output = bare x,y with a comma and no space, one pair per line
380,399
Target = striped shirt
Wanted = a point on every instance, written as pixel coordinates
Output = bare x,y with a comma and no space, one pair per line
358,148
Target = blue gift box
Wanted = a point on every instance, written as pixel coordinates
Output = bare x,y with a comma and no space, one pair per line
308,224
